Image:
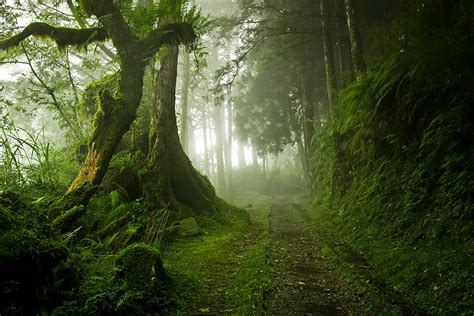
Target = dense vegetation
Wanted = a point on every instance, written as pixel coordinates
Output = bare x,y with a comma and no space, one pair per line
125,125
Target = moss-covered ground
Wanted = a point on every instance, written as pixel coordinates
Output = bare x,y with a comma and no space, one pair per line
278,263
223,270
426,278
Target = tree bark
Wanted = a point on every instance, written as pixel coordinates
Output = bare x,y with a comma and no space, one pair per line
212,148
171,177
206,147
184,103
304,162
218,128
328,55
308,108
341,40
229,148
358,62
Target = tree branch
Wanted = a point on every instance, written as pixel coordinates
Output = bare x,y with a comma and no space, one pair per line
63,36
172,33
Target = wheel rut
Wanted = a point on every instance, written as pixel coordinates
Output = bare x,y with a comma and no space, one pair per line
305,282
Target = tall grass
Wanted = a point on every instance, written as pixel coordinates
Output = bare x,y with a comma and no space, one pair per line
25,158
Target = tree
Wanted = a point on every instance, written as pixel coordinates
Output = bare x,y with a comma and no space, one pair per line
328,54
219,149
116,110
184,102
171,178
355,39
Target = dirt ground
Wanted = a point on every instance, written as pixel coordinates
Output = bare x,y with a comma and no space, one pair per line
306,283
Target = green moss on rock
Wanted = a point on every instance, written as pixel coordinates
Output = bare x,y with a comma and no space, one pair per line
189,227
140,267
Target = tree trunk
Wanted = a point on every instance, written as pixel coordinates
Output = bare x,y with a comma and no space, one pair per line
241,155
229,148
206,147
212,148
218,127
304,162
171,177
184,103
308,108
341,34
328,56
254,158
264,165
358,62
113,119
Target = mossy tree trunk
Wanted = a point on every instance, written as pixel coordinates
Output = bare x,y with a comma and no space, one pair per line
116,111
170,178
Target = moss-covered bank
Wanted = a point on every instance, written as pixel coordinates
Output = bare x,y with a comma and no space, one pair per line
394,170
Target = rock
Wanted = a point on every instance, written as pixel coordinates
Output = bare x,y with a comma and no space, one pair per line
140,267
188,228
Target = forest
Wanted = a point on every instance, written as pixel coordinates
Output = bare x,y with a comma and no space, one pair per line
236,157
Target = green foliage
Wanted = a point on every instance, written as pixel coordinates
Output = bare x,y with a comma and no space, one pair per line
398,158
122,175
27,158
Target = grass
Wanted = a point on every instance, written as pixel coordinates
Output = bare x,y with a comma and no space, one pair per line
222,271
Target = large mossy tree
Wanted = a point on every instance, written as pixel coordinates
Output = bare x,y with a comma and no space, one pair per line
137,37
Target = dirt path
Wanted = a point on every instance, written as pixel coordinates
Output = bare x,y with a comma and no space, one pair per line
276,264
305,282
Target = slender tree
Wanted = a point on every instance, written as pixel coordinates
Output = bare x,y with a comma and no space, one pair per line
184,102
205,139
241,155
219,149
229,146
328,54
358,62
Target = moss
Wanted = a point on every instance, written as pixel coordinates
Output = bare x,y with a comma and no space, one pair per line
63,36
89,102
68,219
122,175
188,228
79,196
140,267
114,226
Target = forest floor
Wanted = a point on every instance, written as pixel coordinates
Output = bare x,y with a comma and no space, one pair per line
275,264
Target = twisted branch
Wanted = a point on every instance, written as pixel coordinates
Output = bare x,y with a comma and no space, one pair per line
63,36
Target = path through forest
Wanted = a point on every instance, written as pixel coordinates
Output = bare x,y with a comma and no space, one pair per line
276,264
306,283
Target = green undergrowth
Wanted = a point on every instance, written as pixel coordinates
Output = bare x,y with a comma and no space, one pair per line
434,279
224,269
105,260
394,169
